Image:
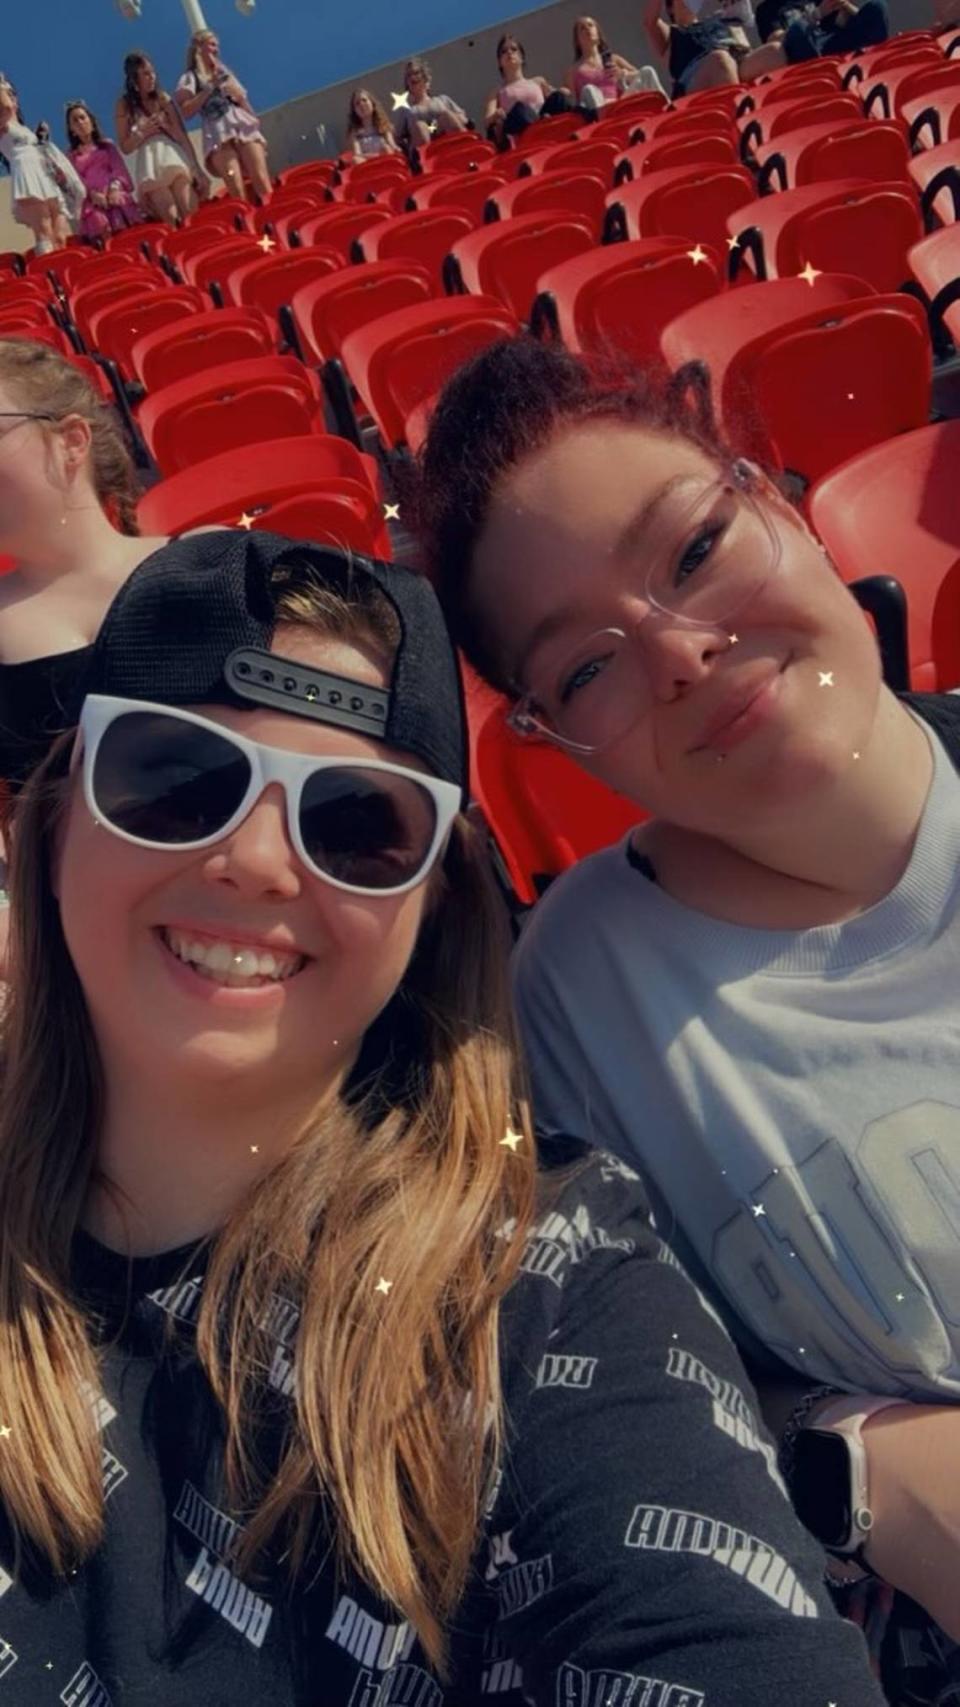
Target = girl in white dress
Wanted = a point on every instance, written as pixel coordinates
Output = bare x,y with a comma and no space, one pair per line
150,131
47,193
234,146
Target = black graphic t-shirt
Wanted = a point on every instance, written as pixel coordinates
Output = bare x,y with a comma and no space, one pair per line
638,1549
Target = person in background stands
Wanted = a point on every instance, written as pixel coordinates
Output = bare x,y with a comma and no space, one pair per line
46,191
234,146
804,31
368,128
110,204
150,131
598,75
519,99
425,114
704,52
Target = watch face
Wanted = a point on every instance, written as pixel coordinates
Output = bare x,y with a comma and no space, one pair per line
820,1486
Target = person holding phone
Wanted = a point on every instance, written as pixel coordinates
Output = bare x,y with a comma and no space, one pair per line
598,75
234,146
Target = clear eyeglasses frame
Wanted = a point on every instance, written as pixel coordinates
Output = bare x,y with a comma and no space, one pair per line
711,549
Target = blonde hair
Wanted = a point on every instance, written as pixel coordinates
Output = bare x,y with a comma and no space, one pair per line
378,116
395,1419
40,378
193,53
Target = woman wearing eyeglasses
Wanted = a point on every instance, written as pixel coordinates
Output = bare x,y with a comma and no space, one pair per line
754,995
311,1388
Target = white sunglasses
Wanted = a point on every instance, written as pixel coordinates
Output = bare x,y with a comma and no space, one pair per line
167,779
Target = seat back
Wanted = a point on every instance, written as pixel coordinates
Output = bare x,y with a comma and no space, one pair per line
506,259
225,392
268,283
328,310
458,150
425,238
466,190
115,328
893,511
125,286
402,359
200,343
544,812
559,192
935,265
834,383
867,231
211,265
596,156
555,128
695,204
338,227
238,483
621,297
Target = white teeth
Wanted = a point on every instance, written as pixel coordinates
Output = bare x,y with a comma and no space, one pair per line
231,963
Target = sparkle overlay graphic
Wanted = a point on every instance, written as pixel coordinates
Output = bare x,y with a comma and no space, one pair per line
246,521
758,1210
856,755
391,512
809,273
383,1286
826,678
5,1431
266,243
511,1141
734,639
254,1149
733,243
697,255
401,100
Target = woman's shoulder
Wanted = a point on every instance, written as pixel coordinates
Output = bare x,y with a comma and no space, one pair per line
942,712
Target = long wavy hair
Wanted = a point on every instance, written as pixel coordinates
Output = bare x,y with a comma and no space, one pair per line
73,140
378,116
395,1420
132,66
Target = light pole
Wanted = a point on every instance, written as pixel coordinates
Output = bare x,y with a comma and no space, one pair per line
195,17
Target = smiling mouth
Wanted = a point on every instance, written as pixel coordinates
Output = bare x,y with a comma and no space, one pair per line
235,965
717,735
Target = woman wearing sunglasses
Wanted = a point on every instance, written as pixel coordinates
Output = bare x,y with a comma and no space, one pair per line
311,1390
754,995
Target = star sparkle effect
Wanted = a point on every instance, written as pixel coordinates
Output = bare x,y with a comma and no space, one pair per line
697,255
391,512
401,100
734,639
5,1431
733,243
826,678
246,521
383,1286
511,1142
266,243
810,273
758,1210
856,755
254,1149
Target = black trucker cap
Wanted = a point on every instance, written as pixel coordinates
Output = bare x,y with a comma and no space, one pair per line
194,623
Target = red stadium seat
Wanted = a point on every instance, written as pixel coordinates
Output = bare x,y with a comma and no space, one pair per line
676,149
683,121
543,812
64,264
238,403
152,233
30,312
51,335
555,128
321,171
15,290
272,280
457,150
201,342
425,238
338,227
245,480
863,148
816,77
366,178
212,264
935,266
466,190
936,174
933,117
219,211
181,246
638,106
885,97
327,311
559,192
506,259
594,156
11,262
115,328
694,202
399,361
622,296
105,292
758,128
893,511
820,386
294,204
848,226
717,330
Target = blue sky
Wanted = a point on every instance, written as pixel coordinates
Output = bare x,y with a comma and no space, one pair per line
60,50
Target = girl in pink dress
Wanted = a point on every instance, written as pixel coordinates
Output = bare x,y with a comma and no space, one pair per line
110,204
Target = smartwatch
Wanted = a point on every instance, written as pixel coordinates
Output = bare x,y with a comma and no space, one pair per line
828,1482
